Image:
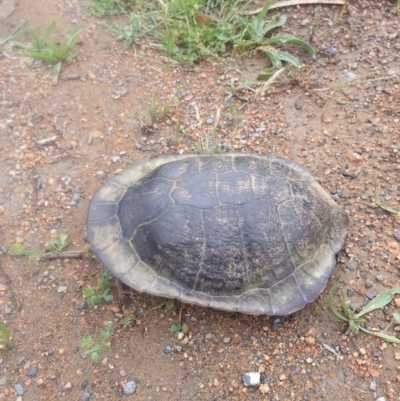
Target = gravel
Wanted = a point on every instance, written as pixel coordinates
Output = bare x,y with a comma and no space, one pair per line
129,387
167,349
251,379
32,371
19,389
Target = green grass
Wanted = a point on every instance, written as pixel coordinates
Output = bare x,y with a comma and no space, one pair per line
55,245
158,111
4,337
100,290
21,250
45,49
355,320
191,30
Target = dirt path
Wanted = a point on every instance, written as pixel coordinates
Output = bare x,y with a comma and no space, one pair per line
346,135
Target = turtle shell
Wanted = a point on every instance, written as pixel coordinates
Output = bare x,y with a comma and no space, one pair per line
235,232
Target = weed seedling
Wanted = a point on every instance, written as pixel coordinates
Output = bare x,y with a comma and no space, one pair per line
179,328
4,337
58,244
159,111
100,290
354,320
93,348
45,49
20,250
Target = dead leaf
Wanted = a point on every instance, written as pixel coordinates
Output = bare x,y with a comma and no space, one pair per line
202,19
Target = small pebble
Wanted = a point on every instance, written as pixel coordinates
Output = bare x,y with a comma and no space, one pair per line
115,159
32,372
7,310
397,236
68,385
330,51
61,289
138,146
379,277
167,349
80,305
129,387
209,121
99,174
305,22
251,379
19,389
209,336
383,398
372,386
226,340
86,396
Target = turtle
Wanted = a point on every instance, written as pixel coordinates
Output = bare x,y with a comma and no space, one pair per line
241,233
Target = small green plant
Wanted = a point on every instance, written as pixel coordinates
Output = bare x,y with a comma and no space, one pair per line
191,30
4,336
100,290
159,111
100,8
58,244
13,34
93,348
45,49
20,250
179,328
128,320
354,320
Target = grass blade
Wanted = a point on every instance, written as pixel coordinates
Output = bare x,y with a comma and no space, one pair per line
291,40
14,33
331,307
386,337
379,301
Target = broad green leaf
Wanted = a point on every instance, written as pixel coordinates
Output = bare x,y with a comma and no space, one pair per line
291,40
379,301
266,74
396,317
108,298
289,58
276,62
95,356
386,337
276,22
